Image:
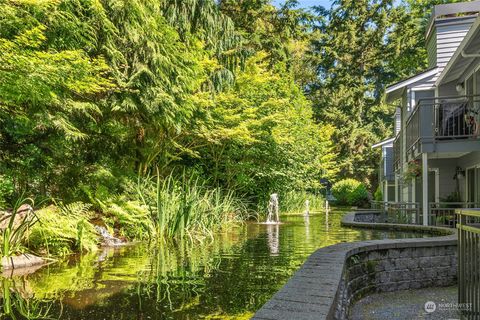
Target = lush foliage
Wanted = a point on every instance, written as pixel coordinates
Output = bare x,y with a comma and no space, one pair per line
187,206
63,229
246,97
350,192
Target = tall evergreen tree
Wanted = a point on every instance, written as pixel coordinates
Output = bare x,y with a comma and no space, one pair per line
362,46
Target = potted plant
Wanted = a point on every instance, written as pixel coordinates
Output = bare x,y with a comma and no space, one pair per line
414,170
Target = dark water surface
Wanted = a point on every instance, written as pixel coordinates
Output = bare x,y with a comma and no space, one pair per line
227,278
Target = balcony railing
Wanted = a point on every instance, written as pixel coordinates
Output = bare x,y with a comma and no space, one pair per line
399,212
442,214
443,118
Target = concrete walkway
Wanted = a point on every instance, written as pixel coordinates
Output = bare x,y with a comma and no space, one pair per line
407,305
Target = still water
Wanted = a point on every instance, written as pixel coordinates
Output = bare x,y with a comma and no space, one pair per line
227,278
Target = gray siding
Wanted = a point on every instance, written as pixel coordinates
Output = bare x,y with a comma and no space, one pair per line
432,52
470,160
449,36
446,169
398,120
388,169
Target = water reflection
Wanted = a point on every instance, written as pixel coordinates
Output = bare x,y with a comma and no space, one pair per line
306,221
229,277
19,303
273,231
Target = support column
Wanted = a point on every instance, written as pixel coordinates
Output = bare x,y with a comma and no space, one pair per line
425,188
397,191
385,191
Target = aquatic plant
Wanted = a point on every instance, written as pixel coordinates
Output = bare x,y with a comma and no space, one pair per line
129,218
294,202
16,230
186,206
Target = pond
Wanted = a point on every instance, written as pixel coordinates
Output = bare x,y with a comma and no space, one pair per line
227,278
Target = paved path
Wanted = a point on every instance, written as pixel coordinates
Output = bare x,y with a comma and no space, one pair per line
407,305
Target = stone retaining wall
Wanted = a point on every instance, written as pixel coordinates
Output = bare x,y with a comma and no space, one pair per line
333,278
370,217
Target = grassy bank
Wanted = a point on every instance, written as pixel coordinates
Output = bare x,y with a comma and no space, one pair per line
152,210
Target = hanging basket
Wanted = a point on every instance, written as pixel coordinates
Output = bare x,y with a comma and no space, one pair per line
414,170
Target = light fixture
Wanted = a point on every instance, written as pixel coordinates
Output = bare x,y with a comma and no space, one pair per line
459,173
459,87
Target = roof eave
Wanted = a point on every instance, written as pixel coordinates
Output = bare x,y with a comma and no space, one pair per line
384,142
393,92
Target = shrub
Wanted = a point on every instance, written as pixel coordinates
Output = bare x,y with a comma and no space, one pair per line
350,192
378,194
6,191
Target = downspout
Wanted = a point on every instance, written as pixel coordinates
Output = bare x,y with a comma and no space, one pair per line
470,55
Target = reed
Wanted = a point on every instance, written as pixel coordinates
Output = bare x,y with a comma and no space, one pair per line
186,206
16,230
294,202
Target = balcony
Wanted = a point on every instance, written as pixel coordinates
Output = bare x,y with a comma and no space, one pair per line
444,124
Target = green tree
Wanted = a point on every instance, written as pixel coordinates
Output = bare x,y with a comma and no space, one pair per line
361,47
261,136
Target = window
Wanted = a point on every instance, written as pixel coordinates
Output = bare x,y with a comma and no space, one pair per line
473,185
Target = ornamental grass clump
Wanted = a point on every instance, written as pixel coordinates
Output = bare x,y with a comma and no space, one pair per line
185,206
17,226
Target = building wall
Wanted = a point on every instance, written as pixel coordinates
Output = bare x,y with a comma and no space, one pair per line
470,160
449,34
446,168
432,51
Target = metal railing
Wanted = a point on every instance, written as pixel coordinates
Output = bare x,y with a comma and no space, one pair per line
443,118
442,214
413,129
399,212
469,262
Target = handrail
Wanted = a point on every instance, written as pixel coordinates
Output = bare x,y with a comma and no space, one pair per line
443,213
468,262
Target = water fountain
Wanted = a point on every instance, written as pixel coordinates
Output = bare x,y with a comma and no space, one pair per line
307,208
273,216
